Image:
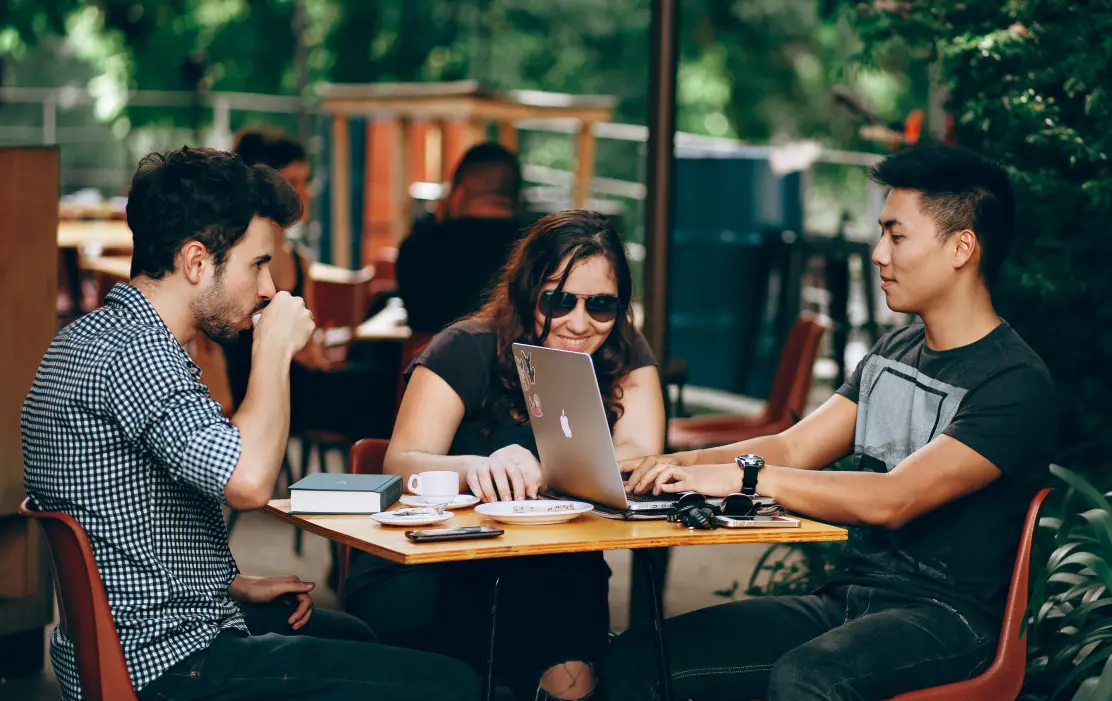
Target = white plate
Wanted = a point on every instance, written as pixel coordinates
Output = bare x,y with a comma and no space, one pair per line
411,517
462,501
535,512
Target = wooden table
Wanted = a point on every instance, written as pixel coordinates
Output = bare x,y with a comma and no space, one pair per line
378,329
589,533
76,238
94,234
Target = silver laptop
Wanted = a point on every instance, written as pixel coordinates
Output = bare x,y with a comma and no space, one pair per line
573,436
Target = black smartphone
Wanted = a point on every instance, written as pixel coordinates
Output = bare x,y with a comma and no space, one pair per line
433,535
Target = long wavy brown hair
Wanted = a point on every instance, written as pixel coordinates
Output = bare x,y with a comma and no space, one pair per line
575,235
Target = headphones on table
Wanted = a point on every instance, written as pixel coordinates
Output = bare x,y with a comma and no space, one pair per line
692,510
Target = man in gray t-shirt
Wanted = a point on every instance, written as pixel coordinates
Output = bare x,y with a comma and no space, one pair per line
949,423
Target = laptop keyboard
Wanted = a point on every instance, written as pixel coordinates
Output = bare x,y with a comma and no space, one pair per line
648,497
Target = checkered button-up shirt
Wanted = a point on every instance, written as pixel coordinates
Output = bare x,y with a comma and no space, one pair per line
119,433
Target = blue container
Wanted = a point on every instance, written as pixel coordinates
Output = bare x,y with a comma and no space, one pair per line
729,209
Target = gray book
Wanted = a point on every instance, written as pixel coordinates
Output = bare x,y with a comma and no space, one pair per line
327,493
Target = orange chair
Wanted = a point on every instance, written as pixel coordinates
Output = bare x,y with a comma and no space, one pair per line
786,401
86,618
367,457
1004,677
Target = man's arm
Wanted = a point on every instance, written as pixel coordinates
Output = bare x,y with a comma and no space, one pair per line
815,442
1001,428
940,472
263,419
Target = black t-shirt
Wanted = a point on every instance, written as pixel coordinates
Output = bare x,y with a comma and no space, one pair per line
444,269
995,396
465,355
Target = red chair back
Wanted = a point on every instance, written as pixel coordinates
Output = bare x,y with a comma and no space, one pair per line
86,618
1004,677
367,458
793,373
340,296
786,403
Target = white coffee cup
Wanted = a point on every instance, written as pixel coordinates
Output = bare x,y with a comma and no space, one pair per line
438,487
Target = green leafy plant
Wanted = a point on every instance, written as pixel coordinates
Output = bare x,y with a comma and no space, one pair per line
1070,626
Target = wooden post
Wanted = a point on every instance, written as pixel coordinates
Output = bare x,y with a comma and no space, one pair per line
29,287
341,191
451,148
585,165
507,135
400,181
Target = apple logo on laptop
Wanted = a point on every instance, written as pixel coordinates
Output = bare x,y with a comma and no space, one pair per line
564,424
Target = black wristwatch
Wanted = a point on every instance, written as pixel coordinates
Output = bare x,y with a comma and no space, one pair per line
750,465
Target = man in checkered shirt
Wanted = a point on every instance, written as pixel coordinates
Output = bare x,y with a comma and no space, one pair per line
119,433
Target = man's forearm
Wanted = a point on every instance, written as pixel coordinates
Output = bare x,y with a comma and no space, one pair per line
774,449
263,420
850,498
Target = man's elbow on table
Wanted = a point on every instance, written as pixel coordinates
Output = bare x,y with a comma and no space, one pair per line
245,493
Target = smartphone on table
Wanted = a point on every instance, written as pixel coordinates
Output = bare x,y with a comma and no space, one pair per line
757,521
434,535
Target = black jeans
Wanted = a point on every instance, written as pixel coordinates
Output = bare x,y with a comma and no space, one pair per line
551,609
332,657
843,642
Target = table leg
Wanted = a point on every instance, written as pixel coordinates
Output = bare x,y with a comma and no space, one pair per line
658,631
640,598
488,682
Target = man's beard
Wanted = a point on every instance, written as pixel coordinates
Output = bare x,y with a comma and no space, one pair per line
215,316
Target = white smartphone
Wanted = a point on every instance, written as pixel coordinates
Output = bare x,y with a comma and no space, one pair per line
757,521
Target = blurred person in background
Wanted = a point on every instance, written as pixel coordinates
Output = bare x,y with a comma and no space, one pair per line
446,264
353,398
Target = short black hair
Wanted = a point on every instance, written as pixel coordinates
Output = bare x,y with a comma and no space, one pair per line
203,195
268,146
491,169
959,189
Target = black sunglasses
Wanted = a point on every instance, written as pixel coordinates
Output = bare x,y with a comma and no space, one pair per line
731,505
557,304
693,511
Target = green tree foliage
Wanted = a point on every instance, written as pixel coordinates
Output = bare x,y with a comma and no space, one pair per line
1029,86
756,69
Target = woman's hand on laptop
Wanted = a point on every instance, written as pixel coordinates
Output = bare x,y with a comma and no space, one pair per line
509,474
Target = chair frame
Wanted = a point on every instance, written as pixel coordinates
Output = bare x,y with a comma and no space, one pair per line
86,617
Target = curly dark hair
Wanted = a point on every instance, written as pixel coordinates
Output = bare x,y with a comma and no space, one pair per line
200,195
512,303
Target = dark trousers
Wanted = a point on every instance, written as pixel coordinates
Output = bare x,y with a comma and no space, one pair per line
844,642
331,657
551,609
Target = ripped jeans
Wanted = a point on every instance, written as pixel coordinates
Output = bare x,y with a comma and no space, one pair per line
843,642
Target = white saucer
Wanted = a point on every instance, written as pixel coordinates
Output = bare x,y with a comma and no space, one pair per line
534,512
461,501
411,517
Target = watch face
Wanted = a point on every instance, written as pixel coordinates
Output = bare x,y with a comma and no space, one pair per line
750,460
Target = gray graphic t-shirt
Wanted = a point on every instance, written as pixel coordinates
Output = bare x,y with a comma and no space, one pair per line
995,396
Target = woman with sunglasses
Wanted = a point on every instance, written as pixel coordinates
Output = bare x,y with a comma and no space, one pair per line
567,285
